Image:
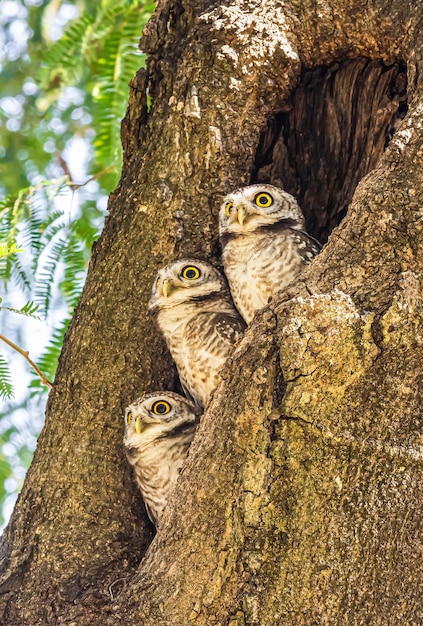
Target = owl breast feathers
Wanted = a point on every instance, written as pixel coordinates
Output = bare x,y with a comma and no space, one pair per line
195,313
264,244
159,428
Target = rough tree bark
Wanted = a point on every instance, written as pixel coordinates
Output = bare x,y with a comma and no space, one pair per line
300,502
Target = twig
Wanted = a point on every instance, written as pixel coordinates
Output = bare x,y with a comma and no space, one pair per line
74,186
25,354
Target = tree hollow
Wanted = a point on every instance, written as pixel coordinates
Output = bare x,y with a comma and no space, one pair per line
331,133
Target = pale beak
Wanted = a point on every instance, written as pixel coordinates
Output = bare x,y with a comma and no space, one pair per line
241,215
167,287
139,426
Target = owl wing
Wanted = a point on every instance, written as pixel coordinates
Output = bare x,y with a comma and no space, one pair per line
307,245
228,327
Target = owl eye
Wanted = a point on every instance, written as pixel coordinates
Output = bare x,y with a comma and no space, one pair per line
161,407
264,200
190,272
129,417
228,208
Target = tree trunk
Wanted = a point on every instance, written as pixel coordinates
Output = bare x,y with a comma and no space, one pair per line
300,499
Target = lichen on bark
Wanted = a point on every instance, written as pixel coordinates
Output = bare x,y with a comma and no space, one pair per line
326,347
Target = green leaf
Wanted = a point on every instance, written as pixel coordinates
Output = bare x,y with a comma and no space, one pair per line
62,62
29,309
6,387
8,249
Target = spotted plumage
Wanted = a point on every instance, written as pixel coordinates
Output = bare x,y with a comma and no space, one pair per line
159,428
264,244
195,313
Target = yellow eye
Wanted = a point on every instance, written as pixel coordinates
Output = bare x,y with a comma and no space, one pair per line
129,417
264,200
228,208
161,407
190,272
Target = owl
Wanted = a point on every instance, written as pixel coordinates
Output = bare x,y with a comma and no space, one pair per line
264,244
194,311
159,428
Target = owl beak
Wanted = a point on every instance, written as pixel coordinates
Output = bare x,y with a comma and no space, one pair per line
241,215
167,287
139,426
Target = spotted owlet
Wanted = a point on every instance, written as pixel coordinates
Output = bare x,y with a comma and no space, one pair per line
264,244
159,429
194,311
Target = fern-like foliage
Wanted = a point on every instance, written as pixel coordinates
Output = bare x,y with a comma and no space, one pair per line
28,309
117,65
104,45
62,62
57,253
7,249
21,217
6,387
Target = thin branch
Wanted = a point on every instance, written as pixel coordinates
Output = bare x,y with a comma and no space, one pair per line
25,354
74,186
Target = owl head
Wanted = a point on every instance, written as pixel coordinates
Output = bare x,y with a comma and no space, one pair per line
186,280
156,415
258,206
